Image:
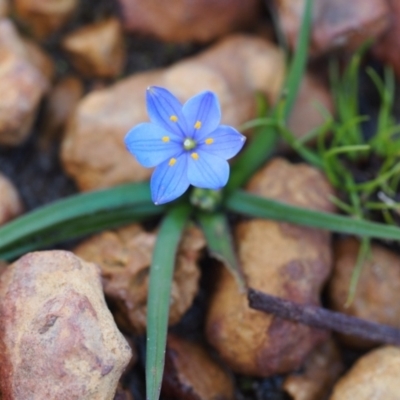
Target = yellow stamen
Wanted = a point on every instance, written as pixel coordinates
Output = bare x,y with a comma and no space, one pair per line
172,162
173,118
165,139
195,156
209,141
197,125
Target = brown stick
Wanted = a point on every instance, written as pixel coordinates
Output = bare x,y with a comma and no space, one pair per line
322,318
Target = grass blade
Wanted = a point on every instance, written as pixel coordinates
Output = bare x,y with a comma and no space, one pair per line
255,206
79,205
220,243
161,273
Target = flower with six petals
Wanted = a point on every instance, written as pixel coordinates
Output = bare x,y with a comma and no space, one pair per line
186,144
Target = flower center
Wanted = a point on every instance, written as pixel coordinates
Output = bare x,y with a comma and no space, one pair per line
189,144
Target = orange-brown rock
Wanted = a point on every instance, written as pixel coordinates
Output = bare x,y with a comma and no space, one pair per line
58,339
378,290
387,48
97,50
44,17
124,256
336,23
284,260
10,202
191,374
320,371
375,376
4,8
183,21
39,58
22,86
306,114
59,106
93,152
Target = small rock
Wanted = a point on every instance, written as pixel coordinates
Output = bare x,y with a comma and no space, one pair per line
40,59
124,256
184,21
93,151
378,291
10,202
44,17
387,48
59,106
312,95
321,370
58,338
336,23
4,8
375,376
97,50
284,260
190,373
22,86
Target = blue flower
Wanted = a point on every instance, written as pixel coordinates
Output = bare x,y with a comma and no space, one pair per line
186,144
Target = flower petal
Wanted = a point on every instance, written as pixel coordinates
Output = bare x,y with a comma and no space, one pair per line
169,180
225,142
207,170
202,113
151,145
165,110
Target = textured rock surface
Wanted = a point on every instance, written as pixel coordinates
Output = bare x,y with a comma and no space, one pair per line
182,20
378,291
375,376
320,371
59,106
58,339
124,256
312,94
97,50
22,86
93,151
44,17
336,23
284,260
10,202
190,373
387,49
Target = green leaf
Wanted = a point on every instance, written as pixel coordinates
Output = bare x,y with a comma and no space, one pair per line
161,273
78,228
220,244
259,207
81,205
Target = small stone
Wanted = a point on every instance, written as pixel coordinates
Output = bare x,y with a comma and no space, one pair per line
97,50
313,95
377,297
387,48
336,23
60,104
4,8
191,373
58,338
375,376
93,151
124,256
320,371
281,259
183,21
40,59
44,17
10,202
22,86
